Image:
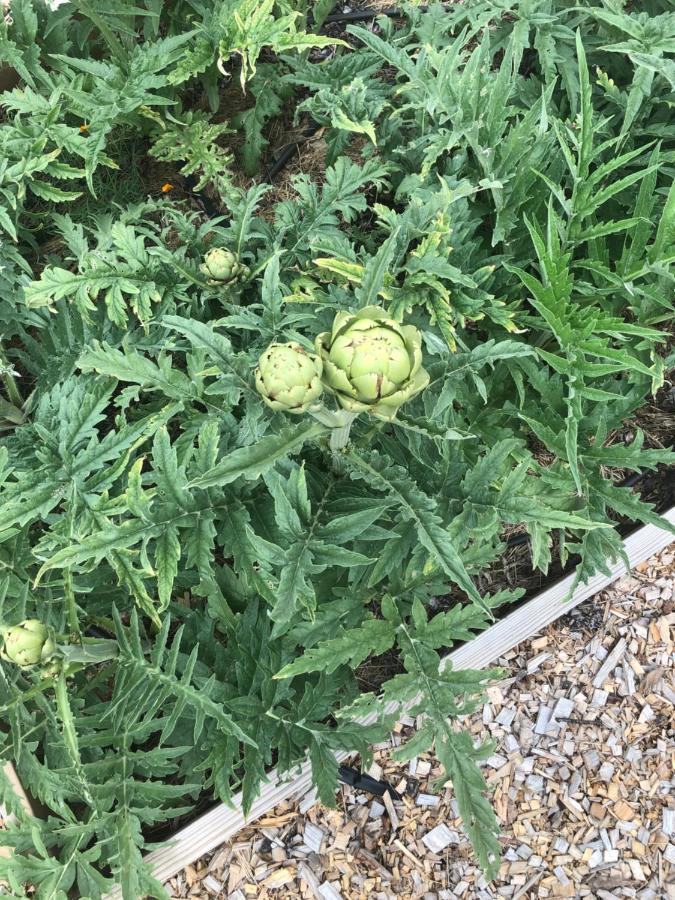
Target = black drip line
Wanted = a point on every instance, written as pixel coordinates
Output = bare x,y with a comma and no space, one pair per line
365,15
290,150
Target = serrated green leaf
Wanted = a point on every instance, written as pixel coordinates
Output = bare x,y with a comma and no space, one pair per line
252,461
373,637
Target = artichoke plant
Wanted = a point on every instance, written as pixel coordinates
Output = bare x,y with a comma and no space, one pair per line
288,377
372,363
222,267
27,644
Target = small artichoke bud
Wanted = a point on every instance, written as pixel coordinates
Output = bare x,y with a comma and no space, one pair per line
288,378
53,668
27,644
372,363
222,267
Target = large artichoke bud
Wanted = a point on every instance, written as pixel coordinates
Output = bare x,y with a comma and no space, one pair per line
222,267
372,363
27,644
288,377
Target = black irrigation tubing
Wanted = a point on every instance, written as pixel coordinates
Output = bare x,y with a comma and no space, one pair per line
290,150
361,782
202,199
364,15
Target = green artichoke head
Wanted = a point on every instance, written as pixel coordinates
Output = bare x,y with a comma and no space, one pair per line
222,267
288,378
27,644
372,363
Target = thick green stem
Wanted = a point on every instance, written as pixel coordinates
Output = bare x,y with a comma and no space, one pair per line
330,417
70,738
340,422
339,437
71,605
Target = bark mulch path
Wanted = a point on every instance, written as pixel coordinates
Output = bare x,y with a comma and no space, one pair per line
582,777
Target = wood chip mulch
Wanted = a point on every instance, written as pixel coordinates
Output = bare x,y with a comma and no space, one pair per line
582,777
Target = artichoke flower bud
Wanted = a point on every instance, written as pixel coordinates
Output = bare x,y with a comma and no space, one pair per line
372,363
288,378
27,644
53,668
222,267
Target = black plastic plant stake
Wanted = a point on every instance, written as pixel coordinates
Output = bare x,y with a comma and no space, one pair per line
361,782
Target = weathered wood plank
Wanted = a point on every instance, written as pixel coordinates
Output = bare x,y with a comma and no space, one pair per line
546,607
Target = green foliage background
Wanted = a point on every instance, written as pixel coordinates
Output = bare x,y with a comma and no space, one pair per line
500,174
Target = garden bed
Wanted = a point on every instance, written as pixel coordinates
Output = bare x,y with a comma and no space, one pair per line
266,449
